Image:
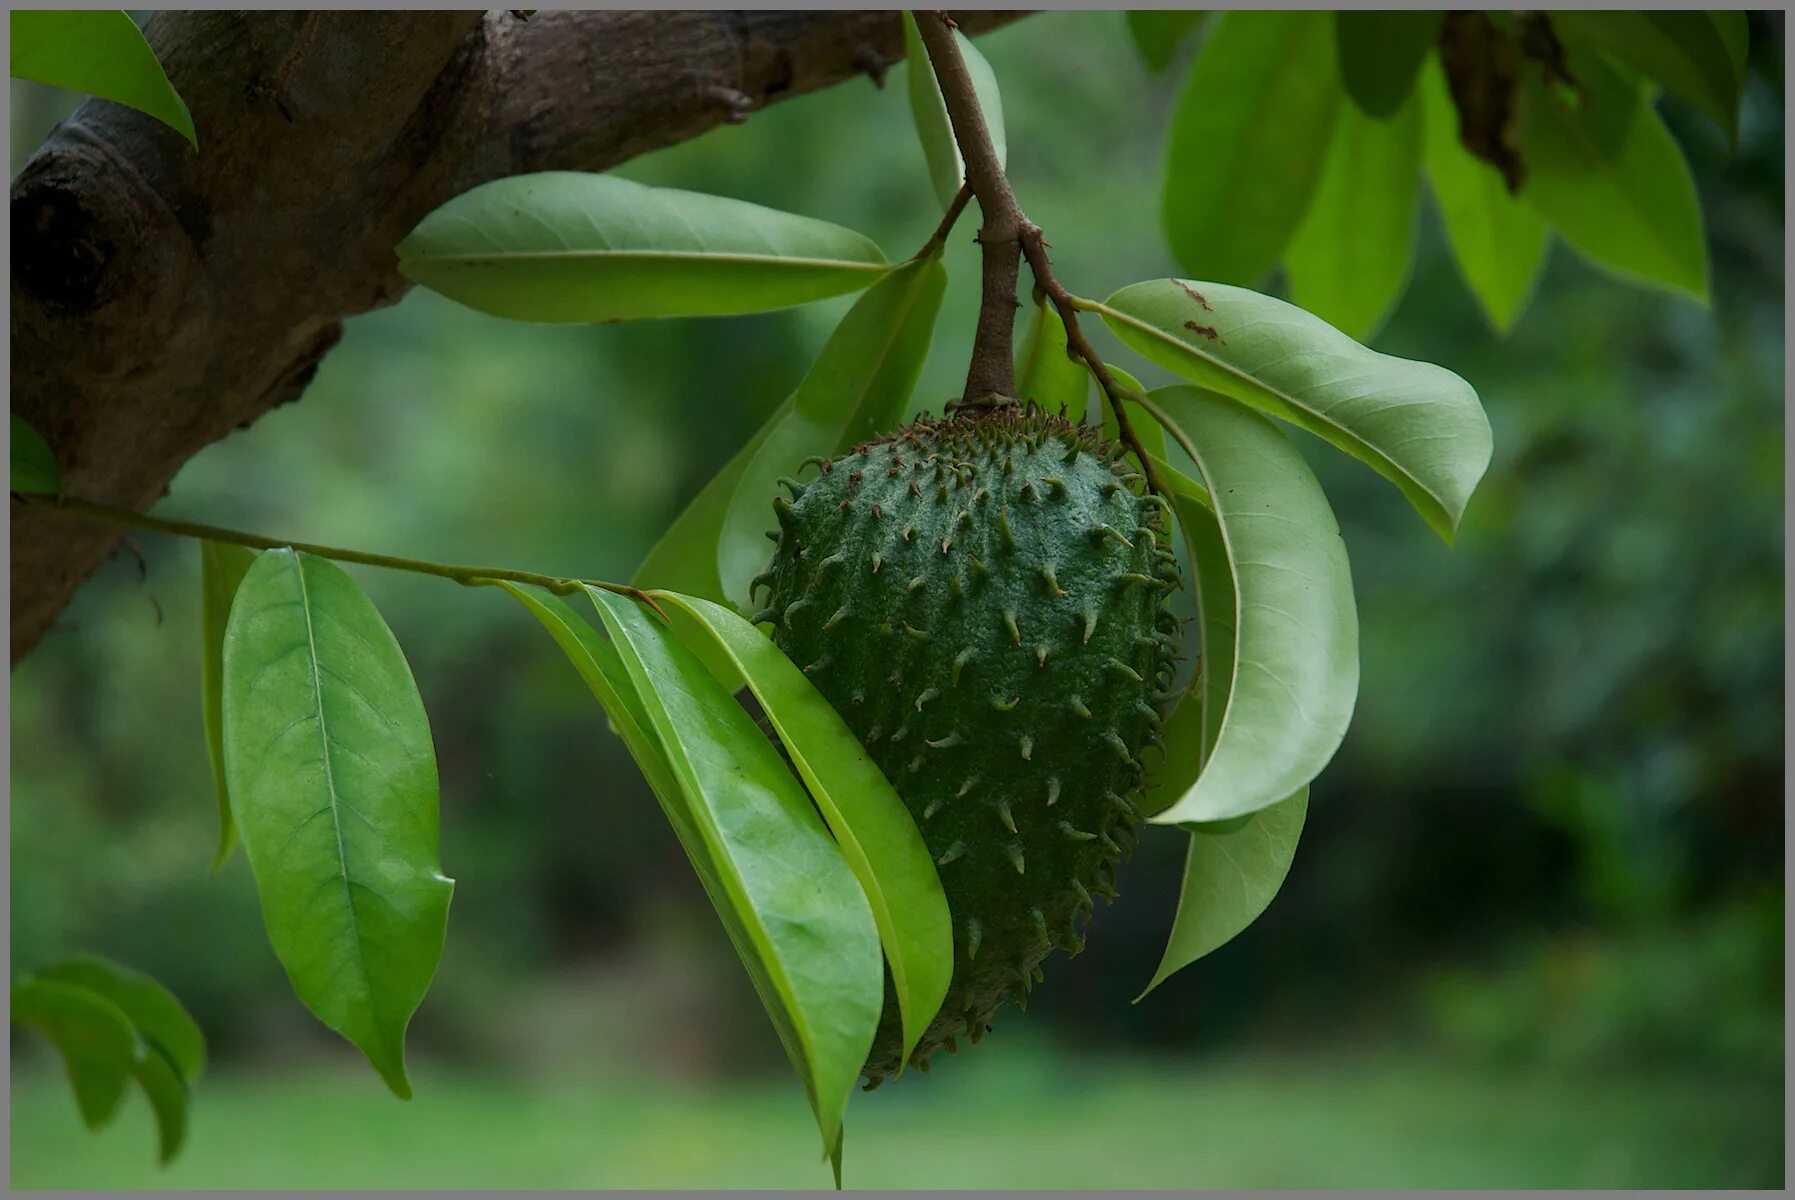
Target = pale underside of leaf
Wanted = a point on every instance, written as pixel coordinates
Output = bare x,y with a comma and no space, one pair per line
1418,425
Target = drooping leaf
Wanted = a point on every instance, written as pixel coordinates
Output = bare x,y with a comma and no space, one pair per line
1687,53
856,389
152,1009
1497,239
1247,141
810,930
221,569
685,559
1349,262
1418,425
573,246
34,470
1611,179
1291,673
168,1099
947,170
332,779
93,1037
871,825
1380,51
100,52
1045,373
1158,32
1232,872
599,665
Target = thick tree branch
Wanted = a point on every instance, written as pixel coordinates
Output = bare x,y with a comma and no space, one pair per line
162,298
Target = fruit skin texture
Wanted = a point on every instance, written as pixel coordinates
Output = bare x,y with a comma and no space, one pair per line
981,598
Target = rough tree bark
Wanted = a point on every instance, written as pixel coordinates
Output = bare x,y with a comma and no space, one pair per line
162,298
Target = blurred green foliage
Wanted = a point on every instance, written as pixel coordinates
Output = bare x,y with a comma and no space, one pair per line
1553,836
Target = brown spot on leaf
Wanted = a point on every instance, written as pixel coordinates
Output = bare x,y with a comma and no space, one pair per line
1194,294
1207,331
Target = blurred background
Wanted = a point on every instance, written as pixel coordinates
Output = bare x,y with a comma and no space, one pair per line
1533,936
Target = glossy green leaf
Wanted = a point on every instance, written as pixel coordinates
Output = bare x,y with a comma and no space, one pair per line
34,470
1687,53
1232,872
808,924
100,52
1158,32
1247,141
1349,262
573,246
685,559
221,568
1045,373
947,170
599,665
1418,425
1380,52
152,1009
1292,672
875,831
857,389
332,779
93,1037
1611,179
1497,239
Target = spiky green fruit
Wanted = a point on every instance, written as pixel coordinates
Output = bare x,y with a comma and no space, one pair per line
982,599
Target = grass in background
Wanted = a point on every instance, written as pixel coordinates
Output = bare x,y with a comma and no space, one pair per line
1011,1119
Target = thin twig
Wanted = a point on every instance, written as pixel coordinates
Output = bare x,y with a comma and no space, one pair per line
1042,268
948,220
1006,236
471,576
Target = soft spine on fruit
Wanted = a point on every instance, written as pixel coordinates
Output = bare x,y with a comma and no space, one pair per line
982,599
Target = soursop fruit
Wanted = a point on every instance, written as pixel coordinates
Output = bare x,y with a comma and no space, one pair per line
981,597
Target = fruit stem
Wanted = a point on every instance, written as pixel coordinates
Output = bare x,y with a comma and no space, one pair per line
1006,236
471,576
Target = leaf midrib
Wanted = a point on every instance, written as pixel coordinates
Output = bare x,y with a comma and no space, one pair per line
846,264
336,822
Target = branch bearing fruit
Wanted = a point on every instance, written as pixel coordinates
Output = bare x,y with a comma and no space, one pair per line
982,599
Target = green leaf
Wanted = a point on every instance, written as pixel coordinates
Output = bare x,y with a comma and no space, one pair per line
1045,372
1735,35
1247,141
100,52
1687,53
599,664
572,246
1498,241
856,389
1232,872
34,471
221,569
168,1099
1418,425
1158,32
946,168
1350,260
332,780
93,1037
1380,52
685,559
809,929
1611,178
871,825
1291,674
151,1008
